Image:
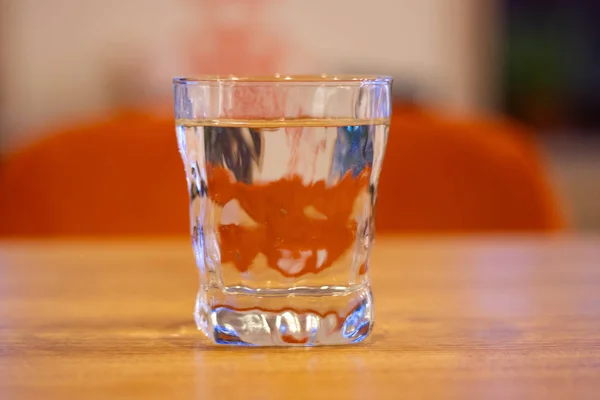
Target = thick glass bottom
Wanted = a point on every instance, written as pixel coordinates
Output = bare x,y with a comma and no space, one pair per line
320,316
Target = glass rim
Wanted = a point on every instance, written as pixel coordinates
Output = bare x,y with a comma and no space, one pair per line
319,80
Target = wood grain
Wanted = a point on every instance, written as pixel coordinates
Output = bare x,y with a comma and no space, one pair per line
496,317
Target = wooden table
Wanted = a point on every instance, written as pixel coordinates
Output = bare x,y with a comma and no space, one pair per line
480,318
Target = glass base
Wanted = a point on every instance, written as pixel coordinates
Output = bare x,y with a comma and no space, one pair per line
315,317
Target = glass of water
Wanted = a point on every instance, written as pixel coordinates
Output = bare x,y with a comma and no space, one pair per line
282,175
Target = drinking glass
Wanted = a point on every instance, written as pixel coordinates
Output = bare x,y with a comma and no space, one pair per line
282,174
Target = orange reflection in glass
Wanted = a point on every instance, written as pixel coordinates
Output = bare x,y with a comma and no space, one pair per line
294,221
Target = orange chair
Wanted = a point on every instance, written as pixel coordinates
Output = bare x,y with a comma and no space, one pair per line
448,175
123,176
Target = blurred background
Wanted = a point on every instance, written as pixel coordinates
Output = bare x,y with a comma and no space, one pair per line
499,97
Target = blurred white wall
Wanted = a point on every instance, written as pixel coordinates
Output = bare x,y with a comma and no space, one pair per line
60,57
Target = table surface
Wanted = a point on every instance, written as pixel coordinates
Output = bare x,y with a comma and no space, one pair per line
495,317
